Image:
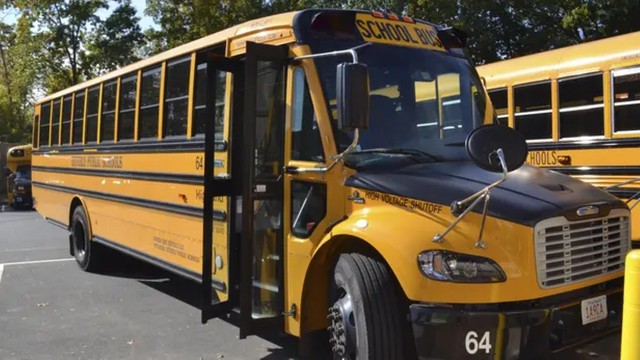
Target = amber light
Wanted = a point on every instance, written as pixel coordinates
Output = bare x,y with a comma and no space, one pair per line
377,14
407,19
393,16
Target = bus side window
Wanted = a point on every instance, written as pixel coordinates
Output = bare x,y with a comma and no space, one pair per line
78,116
149,103
200,102
176,97
308,207
66,121
93,100
107,122
499,100
626,100
532,112
55,124
128,87
305,137
35,130
43,139
581,106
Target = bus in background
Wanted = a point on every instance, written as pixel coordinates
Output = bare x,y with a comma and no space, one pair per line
579,109
18,177
310,171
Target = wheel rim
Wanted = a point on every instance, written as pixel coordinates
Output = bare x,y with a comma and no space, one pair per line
342,330
79,240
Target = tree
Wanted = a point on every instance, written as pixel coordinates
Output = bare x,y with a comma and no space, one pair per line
114,41
65,24
19,51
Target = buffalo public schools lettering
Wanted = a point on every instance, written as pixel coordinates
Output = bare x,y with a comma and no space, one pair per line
97,162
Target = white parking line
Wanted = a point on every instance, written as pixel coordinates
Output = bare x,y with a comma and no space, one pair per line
31,262
37,262
33,249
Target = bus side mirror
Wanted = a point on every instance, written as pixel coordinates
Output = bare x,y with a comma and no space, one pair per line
483,143
352,96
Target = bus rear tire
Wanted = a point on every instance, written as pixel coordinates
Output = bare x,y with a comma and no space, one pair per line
364,314
85,250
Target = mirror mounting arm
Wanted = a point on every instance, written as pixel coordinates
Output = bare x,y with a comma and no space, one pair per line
635,198
336,159
472,201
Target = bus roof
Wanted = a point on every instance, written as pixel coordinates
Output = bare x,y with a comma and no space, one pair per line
279,21
599,55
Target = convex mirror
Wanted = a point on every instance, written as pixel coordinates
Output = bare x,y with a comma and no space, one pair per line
483,142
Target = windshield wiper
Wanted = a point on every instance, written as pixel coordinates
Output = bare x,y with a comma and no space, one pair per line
400,151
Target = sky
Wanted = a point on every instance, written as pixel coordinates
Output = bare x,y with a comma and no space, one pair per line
10,16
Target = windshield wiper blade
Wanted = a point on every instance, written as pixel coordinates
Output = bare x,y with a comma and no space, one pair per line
399,151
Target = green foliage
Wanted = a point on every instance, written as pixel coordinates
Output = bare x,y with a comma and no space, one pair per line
57,43
19,67
110,46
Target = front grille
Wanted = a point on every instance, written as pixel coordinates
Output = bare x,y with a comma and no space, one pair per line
571,251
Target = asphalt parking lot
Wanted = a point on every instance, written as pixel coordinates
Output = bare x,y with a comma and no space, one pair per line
49,309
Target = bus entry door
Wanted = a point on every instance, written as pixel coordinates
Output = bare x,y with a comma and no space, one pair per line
261,263
222,185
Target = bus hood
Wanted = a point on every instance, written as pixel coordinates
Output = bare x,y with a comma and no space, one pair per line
528,195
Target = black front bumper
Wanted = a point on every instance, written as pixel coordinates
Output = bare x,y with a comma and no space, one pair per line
450,333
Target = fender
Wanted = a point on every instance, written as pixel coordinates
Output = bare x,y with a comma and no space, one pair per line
79,200
398,249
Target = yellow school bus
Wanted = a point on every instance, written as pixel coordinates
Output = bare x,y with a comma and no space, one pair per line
577,106
334,174
19,176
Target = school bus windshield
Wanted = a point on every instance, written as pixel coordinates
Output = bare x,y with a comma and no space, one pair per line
420,99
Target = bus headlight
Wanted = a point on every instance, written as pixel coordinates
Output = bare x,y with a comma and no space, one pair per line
459,268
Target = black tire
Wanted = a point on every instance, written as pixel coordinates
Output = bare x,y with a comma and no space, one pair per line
84,249
364,314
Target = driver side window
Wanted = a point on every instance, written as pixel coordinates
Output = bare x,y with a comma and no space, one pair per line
306,143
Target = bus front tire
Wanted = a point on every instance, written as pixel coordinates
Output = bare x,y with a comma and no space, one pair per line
364,314
84,249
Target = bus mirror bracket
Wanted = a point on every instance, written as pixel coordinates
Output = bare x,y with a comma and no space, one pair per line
485,147
635,198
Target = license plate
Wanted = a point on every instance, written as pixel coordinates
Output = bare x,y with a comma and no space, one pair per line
594,309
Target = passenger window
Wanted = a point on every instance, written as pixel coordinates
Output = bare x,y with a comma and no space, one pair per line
500,104
308,207
176,97
532,112
55,124
43,139
306,141
35,129
149,100
91,131
626,100
66,121
127,106
107,121
581,106
200,103
78,115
